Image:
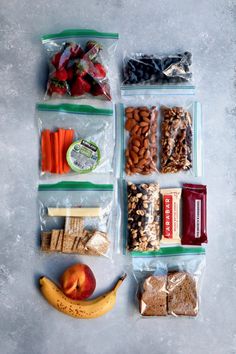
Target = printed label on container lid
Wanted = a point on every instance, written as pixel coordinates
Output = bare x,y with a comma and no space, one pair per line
83,156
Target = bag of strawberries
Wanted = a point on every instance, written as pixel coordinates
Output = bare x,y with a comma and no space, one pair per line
78,63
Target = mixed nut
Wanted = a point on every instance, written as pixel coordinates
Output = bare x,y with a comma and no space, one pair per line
176,140
143,217
141,152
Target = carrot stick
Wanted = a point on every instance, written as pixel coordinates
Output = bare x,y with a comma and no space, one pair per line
69,137
61,138
46,151
54,139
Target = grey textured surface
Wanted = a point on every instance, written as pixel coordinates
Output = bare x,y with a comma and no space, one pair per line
28,325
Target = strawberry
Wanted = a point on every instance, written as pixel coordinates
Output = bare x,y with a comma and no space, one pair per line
102,89
80,86
56,87
56,59
60,75
92,49
60,60
76,50
99,71
82,67
70,73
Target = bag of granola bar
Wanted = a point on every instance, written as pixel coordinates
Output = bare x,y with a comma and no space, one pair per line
80,63
77,218
169,282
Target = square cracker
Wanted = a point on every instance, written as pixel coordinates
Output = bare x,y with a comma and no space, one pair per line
56,237
74,226
45,241
98,243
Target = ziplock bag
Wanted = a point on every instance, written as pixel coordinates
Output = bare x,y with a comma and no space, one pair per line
77,217
75,139
170,282
153,74
79,62
141,217
168,139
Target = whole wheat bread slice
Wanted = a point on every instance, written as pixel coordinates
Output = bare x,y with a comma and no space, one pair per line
153,301
182,294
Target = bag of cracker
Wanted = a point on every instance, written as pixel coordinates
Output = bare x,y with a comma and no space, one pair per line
77,218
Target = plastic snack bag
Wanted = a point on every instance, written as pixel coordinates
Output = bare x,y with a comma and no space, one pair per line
148,74
165,138
75,139
77,217
181,141
78,63
142,206
169,282
141,151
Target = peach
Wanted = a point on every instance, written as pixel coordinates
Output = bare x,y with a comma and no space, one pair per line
78,282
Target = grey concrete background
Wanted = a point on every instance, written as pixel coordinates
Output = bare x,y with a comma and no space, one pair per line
27,324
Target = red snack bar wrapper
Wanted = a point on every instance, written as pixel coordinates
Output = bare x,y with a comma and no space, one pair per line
194,214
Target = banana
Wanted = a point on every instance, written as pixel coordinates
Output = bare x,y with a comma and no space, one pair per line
80,309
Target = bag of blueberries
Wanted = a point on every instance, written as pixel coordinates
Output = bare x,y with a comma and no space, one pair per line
154,74
78,63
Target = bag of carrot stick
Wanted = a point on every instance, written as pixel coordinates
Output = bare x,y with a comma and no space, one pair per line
75,139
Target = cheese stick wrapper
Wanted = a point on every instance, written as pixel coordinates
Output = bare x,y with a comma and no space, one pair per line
171,215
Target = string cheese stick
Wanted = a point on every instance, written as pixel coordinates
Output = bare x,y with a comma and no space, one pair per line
76,212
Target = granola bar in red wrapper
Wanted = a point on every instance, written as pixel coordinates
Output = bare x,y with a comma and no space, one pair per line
194,214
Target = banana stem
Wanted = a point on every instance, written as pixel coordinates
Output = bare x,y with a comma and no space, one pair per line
120,281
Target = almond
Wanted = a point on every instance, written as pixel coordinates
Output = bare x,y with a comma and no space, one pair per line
141,163
136,142
135,148
129,124
145,130
129,109
127,152
135,128
130,162
142,151
146,119
146,143
144,114
136,117
144,124
134,156
147,154
129,115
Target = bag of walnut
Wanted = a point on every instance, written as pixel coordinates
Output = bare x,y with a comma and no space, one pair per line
169,282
